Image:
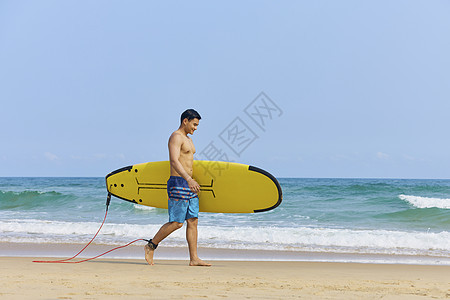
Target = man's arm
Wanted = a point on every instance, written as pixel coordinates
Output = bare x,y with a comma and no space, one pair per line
175,142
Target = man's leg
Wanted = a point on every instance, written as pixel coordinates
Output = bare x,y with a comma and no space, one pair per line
163,232
191,237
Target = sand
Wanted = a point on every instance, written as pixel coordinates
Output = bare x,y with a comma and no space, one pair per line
173,279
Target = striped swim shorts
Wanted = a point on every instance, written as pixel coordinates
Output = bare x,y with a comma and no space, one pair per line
183,203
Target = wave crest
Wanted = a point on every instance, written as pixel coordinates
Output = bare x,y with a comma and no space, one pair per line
426,202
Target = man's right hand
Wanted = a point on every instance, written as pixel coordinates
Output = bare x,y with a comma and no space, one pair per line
194,186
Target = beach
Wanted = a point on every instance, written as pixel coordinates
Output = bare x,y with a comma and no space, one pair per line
334,220
329,239
170,279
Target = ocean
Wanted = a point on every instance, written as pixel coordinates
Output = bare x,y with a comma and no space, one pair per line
381,220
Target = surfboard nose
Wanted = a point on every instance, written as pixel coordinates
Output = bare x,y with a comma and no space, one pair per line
275,181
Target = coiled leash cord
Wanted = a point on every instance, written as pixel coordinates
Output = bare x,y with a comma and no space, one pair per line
67,260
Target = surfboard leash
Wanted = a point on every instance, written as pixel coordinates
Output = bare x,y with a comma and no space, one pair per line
67,260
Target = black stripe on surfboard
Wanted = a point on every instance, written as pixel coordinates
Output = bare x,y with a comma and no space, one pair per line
128,168
119,170
280,193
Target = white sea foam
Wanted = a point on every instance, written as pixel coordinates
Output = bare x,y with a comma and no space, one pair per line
256,238
426,202
143,207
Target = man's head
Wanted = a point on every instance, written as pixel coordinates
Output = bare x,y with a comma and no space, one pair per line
189,120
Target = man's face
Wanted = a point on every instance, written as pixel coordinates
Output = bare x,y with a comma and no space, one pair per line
191,125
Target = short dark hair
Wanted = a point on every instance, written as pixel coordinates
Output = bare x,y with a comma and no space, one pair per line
190,114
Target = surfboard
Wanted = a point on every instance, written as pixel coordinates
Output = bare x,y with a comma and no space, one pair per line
225,187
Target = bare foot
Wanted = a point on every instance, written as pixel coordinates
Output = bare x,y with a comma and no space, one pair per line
200,263
149,254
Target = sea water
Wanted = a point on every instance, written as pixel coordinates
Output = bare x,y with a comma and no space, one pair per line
394,217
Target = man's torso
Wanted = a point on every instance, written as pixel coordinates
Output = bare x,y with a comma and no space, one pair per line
186,159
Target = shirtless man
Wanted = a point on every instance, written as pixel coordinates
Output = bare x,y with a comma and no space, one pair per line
182,190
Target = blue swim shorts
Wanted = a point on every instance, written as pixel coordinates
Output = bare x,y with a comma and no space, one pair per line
183,203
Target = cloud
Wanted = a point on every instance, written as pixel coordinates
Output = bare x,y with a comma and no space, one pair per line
50,156
409,157
383,156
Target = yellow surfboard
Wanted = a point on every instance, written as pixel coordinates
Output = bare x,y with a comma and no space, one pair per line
225,187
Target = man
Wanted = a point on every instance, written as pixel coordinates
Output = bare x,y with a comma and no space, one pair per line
182,190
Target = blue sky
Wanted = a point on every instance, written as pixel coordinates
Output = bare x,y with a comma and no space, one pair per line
362,87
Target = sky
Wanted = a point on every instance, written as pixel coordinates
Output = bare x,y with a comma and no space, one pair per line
357,89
